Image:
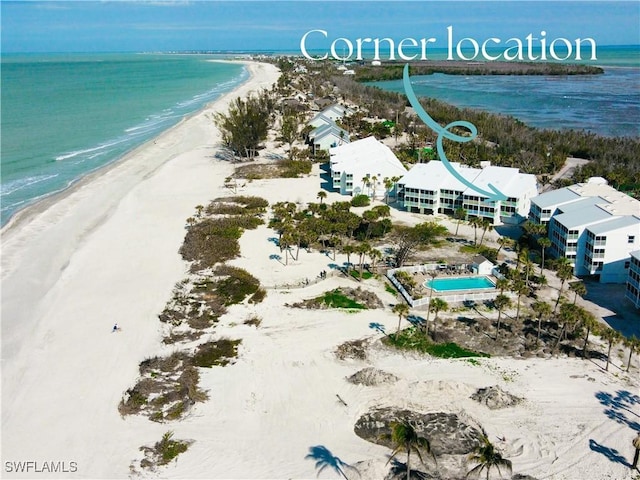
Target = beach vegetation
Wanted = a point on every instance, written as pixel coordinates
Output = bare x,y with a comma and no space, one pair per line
360,201
253,321
235,285
245,126
413,339
488,457
161,453
216,353
409,239
337,299
404,438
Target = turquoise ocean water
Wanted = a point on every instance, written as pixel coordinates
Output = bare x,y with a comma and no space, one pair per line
64,116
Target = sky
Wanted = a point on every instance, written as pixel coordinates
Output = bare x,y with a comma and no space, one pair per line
143,26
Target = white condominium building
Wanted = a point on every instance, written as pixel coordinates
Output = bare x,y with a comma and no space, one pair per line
593,225
633,279
361,167
430,188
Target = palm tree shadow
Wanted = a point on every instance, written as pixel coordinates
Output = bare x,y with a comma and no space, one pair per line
378,327
325,459
611,453
399,470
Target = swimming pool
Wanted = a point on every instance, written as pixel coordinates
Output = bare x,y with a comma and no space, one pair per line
460,283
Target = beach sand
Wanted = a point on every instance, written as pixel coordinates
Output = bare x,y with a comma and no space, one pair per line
106,252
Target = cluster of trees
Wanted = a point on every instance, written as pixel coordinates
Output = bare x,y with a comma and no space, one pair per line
393,71
245,126
335,228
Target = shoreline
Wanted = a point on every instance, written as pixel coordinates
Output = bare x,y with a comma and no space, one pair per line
42,203
104,251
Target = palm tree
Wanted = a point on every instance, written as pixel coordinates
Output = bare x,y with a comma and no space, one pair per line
402,310
612,336
502,284
388,186
501,302
433,274
633,344
460,214
375,255
569,315
578,288
366,182
488,457
564,273
374,182
322,195
362,250
589,321
437,305
520,288
475,222
542,310
348,249
544,243
503,242
486,224
405,439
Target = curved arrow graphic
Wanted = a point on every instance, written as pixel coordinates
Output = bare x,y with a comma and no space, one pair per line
494,195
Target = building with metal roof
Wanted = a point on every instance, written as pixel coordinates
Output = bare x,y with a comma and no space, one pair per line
593,225
431,188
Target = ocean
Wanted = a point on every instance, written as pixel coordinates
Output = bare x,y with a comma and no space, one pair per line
64,116
607,104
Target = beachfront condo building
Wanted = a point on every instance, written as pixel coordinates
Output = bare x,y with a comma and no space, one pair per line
361,167
430,188
592,225
633,279
326,133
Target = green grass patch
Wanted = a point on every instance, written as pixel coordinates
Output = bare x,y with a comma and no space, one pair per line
337,299
390,289
415,340
365,275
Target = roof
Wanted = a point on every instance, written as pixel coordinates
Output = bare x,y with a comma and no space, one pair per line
507,180
367,156
479,259
555,197
325,130
617,203
614,224
579,217
321,119
435,176
635,254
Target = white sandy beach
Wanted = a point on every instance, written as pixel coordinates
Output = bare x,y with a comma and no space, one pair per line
108,252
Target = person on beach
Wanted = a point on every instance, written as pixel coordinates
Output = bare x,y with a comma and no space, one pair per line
636,444
115,328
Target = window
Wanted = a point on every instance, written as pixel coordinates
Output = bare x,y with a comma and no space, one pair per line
631,238
627,264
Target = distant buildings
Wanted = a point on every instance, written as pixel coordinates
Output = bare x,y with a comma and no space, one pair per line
430,188
633,279
325,132
360,167
592,225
